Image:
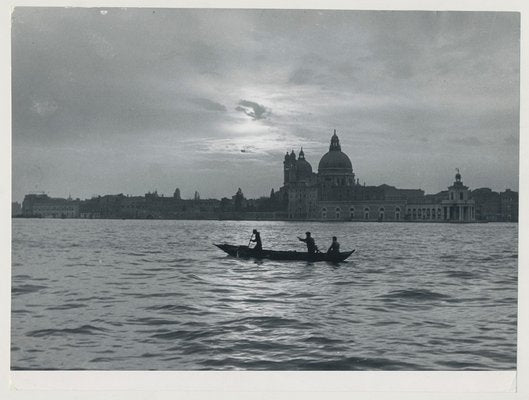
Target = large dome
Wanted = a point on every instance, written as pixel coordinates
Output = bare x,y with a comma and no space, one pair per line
334,160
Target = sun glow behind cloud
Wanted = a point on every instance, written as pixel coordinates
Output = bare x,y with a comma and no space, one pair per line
257,144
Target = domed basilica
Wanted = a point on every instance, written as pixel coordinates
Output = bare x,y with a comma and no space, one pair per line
333,194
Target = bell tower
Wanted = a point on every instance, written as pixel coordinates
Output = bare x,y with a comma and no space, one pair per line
288,166
286,169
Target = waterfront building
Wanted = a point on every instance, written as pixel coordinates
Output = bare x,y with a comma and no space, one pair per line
488,204
335,194
43,206
509,205
459,207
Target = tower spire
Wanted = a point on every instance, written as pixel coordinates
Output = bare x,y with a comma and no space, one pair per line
301,154
335,143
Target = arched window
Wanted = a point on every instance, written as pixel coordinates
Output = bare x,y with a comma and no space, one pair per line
366,213
324,213
397,213
352,212
460,195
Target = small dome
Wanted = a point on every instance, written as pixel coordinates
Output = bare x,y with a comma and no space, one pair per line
303,169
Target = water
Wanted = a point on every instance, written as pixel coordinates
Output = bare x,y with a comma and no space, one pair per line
137,295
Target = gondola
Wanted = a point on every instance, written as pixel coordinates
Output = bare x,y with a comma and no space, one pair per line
246,252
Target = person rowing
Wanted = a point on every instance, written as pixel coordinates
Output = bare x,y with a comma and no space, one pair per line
311,245
256,238
335,246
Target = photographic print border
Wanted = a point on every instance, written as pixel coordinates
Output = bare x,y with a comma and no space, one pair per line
276,385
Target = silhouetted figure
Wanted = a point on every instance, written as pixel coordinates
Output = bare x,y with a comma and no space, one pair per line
311,246
257,240
335,246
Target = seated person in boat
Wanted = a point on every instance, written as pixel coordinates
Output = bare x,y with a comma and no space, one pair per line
311,246
335,246
257,240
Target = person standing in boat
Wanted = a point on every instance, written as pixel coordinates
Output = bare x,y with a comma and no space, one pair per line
257,240
311,245
335,246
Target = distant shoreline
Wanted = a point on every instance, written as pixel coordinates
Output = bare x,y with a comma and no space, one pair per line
272,220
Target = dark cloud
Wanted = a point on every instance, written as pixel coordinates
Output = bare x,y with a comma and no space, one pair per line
252,109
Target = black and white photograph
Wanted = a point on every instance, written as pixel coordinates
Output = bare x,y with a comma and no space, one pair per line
200,189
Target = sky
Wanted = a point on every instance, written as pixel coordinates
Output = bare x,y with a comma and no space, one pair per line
117,100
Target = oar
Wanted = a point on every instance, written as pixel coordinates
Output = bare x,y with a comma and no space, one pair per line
251,237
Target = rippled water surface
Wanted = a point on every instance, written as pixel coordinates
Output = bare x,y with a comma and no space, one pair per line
125,295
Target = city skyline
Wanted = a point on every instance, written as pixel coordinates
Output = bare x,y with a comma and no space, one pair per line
193,193
130,100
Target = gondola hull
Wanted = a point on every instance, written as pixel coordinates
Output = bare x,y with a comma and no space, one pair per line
245,252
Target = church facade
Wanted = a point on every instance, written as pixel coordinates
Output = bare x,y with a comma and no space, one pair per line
334,193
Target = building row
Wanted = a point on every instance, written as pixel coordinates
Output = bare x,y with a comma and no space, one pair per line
335,193
488,206
149,206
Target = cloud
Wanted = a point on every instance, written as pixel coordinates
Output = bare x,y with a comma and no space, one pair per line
401,88
209,104
252,109
301,76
